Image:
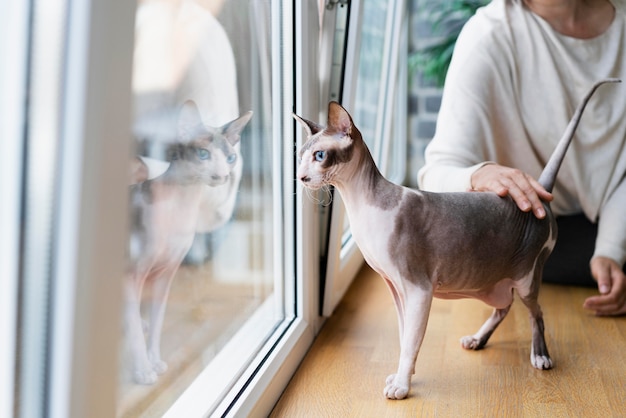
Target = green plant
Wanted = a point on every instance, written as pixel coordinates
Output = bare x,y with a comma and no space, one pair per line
446,19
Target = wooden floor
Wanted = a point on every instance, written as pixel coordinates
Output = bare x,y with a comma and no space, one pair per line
344,373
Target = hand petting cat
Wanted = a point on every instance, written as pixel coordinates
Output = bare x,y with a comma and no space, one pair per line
528,194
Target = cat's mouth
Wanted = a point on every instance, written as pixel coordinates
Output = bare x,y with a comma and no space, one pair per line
311,182
217,180
312,186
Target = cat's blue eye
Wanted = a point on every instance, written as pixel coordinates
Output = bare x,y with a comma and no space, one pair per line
319,155
231,158
203,154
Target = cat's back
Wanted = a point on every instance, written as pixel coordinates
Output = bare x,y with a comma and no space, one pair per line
473,207
470,220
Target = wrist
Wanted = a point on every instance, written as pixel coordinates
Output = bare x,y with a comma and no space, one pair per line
475,169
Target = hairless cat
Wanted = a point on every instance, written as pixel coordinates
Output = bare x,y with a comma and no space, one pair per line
445,245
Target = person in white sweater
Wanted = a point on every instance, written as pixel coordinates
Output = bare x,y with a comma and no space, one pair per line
519,69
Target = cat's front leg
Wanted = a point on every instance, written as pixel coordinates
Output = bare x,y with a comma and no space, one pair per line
160,293
398,303
140,367
417,302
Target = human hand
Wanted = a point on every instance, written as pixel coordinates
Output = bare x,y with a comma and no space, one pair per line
612,286
525,190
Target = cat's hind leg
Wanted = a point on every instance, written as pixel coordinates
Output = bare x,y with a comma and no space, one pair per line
480,338
528,290
539,357
500,296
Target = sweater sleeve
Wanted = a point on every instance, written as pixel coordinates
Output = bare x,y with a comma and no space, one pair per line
611,240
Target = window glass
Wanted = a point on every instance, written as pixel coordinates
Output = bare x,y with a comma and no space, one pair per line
374,36
204,250
367,105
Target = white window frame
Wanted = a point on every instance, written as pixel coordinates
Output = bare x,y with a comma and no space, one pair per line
14,39
92,229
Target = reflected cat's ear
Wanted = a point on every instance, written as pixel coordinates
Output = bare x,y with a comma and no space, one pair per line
188,118
232,130
311,128
339,119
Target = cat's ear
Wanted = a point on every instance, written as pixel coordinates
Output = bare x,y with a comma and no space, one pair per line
339,119
232,130
311,128
188,118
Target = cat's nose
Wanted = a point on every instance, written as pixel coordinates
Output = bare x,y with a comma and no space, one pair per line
305,179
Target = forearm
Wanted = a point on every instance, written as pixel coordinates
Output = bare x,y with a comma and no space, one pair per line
446,177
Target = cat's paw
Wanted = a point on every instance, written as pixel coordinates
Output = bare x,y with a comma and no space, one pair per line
395,388
541,362
145,377
470,343
159,366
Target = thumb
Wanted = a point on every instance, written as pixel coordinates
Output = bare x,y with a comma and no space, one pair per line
601,271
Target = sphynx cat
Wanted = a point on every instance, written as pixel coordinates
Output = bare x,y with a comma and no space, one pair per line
165,213
445,245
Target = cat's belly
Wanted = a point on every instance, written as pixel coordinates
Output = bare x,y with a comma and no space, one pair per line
498,295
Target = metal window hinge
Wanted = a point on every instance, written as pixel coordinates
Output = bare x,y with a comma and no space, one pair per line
330,4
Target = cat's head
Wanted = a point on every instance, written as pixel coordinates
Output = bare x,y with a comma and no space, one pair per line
204,153
327,150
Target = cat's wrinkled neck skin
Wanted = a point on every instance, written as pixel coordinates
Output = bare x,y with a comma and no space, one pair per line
361,183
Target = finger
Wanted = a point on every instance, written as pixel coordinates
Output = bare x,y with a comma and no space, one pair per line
543,194
602,305
615,312
606,308
520,194
529,188
494,186
606,304
602,273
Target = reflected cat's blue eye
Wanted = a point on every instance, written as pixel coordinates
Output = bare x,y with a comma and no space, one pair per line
320,155
231,158
203,154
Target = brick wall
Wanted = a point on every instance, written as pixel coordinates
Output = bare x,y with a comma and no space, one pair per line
424,96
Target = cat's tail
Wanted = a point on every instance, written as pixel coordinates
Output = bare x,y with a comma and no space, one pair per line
548,176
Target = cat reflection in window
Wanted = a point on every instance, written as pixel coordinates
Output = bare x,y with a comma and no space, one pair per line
164,219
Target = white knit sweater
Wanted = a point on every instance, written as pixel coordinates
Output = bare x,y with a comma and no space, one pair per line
511,89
